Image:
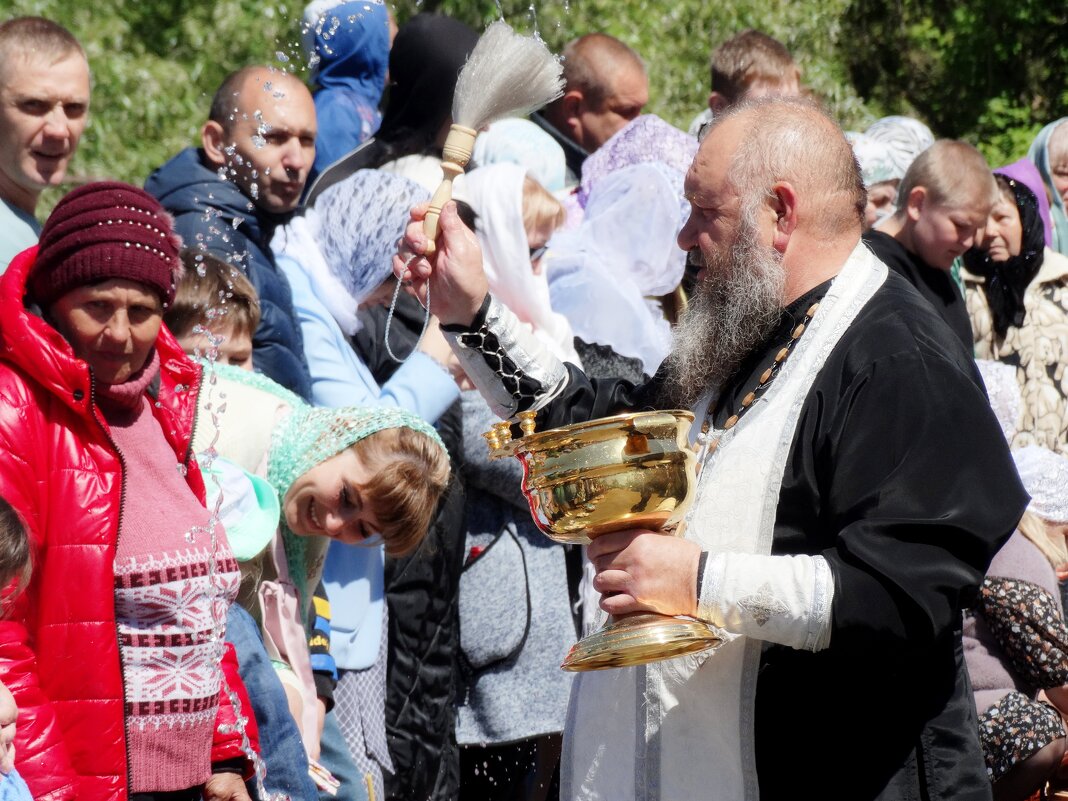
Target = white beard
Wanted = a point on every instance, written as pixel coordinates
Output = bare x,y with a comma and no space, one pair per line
735,308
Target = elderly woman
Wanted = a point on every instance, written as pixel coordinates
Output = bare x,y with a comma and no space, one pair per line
1016,288
113,652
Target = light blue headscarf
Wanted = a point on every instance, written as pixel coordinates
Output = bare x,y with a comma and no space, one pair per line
1039,154
522,142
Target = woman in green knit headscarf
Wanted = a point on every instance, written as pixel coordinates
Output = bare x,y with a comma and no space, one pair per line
361,475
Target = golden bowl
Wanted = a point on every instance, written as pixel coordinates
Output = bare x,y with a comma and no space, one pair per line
624,472
629,471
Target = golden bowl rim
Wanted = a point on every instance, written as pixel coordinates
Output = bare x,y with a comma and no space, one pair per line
538,437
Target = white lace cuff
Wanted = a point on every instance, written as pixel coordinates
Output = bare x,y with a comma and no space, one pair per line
779,599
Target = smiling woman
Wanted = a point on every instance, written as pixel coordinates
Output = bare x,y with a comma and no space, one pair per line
358,475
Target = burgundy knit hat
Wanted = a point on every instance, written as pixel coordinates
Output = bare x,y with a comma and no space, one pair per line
101,231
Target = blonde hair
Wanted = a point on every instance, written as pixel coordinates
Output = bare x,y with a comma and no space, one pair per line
221,293
748,59
541,211
409,473
1053,548
953,173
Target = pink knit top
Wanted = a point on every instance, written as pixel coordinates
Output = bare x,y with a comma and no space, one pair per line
169,602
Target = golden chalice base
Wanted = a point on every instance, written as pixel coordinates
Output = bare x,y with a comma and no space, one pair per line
623,472
638,639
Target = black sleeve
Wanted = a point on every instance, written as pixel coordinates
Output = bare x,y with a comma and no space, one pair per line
919,486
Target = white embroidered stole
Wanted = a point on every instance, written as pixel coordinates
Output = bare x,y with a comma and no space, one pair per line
682,728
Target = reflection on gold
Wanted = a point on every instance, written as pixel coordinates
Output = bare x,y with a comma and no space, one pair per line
624,472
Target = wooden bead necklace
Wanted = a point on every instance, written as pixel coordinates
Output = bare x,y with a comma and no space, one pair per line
766,380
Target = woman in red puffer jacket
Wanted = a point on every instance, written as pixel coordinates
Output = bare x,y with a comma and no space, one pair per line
113,650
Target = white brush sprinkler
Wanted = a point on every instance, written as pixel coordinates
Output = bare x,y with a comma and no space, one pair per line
506,75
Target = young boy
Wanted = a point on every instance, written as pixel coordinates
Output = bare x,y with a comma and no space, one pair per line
215,307
749,65
942,206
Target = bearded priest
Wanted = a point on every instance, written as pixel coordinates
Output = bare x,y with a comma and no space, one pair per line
854,486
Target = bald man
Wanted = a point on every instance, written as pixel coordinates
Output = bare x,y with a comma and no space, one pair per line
605,87
229,196
854,486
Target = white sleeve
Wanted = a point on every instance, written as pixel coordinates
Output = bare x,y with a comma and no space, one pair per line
779,599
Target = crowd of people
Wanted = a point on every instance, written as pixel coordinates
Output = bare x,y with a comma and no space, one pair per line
253,545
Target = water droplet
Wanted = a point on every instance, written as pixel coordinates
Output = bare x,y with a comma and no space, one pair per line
278,54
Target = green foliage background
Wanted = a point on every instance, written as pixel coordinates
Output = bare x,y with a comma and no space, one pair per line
992,72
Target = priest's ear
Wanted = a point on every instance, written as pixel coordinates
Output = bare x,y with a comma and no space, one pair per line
782,200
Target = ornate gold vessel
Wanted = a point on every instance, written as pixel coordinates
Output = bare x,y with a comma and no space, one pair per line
588,479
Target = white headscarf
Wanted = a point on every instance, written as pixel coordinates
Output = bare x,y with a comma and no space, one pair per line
625,250
495,192
1045,477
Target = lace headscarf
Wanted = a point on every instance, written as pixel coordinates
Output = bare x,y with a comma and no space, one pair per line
1044,475
307,437
355,225
1003,391
644,139
905,137
625,251
1007,281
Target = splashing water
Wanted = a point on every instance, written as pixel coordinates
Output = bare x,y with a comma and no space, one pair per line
218,600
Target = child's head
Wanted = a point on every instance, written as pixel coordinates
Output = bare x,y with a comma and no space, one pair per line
359,475
14,547
542,214
751,65
944,200
216,298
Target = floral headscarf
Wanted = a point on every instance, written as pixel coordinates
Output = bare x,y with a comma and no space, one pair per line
874,157
905,137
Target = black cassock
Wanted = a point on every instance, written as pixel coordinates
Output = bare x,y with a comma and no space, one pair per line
900,477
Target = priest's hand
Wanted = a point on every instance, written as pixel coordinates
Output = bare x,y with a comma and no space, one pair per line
453,273
642,571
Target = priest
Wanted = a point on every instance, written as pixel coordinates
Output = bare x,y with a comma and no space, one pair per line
854,485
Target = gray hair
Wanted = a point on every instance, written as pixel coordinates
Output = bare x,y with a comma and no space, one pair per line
794,140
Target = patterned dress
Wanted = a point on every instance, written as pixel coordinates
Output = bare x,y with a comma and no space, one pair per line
1016,643
1038,350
